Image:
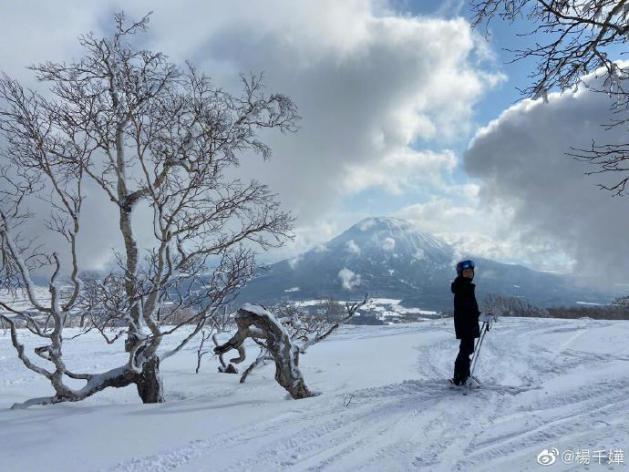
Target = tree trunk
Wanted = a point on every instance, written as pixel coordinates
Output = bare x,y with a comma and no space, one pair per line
256,322
287,372
149,382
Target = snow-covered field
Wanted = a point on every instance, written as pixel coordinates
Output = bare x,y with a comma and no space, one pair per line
384,406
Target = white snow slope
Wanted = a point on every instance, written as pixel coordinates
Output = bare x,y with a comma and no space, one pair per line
384,406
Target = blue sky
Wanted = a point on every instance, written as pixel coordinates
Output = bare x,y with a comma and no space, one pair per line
506,93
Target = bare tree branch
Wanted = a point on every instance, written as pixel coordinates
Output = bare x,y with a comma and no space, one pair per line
578,38
143,131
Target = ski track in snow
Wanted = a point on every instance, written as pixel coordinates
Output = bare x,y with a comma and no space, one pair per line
548,383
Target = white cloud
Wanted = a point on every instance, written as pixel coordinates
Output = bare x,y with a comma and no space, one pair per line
365,225
349,279
370,83
474,228
521,164
321,247
388,244
402,170
352,247
294,261
402,80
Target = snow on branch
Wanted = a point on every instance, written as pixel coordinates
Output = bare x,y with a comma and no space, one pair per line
256,322
140,130
292,328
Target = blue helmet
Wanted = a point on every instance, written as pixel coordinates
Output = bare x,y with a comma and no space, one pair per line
466,264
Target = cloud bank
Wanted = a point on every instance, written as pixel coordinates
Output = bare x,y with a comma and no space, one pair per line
381,93
520,163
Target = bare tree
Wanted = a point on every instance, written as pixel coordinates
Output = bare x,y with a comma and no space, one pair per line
282,338
220,323
256,322
511,306
317,333
577,37
144,131
622,301
612,311
201,350
224,320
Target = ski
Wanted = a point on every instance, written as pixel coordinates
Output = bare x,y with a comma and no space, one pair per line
465,388
474,384
475,379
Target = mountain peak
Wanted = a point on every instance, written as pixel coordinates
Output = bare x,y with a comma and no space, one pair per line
396,228
389,237
380,222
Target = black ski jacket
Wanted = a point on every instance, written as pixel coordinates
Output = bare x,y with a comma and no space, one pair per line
465,309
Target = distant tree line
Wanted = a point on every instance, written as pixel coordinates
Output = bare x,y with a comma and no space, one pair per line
512,306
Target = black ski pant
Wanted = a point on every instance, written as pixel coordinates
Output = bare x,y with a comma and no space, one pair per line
462,363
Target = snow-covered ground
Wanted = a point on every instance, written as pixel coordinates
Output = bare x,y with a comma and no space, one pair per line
384,406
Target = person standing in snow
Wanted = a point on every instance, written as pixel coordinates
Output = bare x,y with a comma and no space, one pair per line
466,315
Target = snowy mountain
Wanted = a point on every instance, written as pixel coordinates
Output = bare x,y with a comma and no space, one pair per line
390,258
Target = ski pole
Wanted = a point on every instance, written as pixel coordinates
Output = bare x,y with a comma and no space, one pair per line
486,323
477,348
